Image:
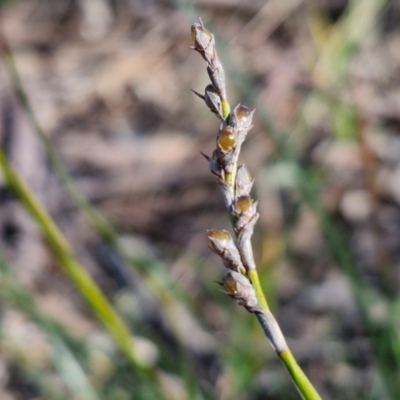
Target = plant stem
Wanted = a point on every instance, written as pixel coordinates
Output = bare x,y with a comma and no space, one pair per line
226,108
84,282
304,386
255,280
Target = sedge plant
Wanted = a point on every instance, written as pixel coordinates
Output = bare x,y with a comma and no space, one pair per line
241,280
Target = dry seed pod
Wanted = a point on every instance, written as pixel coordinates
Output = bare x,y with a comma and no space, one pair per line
219,172
227,148
241,117
217,76
243,210
218,240
240,288
214,164
244,205
241,120
227,193
222,244
212,100
244,181
203,41
244,243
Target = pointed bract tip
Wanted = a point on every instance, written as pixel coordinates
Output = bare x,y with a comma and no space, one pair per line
205,156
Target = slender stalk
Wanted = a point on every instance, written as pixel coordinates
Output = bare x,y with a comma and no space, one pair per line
304,386
255,280
88,288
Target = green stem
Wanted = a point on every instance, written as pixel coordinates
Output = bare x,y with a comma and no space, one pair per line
302,383
226,108
88,288
304,386
255,280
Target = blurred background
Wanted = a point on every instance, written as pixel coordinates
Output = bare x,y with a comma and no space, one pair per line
95,104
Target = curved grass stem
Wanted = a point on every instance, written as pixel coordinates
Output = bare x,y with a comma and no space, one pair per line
77,274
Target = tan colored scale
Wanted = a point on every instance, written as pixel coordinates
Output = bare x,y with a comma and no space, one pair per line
244,203
227,139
